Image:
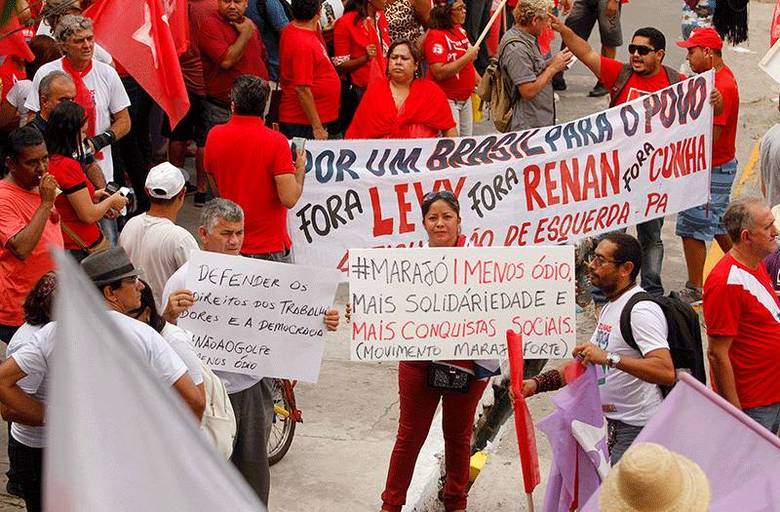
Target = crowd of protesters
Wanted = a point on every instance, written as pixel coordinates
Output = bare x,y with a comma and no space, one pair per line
77,131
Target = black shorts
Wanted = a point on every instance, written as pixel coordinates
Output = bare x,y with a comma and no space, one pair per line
193,126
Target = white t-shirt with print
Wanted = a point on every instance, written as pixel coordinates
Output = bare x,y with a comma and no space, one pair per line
100,53
159,247
181,343
623,396
33,356
33,385
234,382
109,95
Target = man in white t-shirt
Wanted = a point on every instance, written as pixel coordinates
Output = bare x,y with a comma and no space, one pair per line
53,11
153,240
98,88
629,390
222,231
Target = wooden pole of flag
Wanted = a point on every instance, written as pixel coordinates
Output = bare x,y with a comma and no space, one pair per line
493,19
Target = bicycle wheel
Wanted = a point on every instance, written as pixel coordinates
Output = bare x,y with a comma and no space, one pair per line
282,426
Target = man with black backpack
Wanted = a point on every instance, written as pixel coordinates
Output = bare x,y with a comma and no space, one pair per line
633,372
645,74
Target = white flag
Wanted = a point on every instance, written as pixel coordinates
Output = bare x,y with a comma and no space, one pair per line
117,437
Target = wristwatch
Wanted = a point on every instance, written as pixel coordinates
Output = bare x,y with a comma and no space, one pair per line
613,359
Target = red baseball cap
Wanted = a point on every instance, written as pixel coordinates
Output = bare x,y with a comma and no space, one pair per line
704,38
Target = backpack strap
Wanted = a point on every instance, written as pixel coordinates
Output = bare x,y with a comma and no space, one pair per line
625,318
501,48
620,83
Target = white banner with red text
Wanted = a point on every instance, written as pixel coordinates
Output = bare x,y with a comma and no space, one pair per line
641,160
458,302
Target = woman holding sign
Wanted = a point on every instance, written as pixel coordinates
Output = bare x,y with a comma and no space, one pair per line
421,385
402,106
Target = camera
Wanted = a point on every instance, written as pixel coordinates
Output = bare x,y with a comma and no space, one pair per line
129,193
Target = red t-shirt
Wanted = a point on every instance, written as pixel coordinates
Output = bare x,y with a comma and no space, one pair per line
724,149
443,46
215,36
71,178
303,60
350,41
17,277
244,156
10,72
740,303
636,86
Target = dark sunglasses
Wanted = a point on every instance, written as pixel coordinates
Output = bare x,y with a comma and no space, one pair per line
640,49
442,194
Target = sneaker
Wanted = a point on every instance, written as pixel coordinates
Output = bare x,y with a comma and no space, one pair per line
598,91
690,294
200,199
558,82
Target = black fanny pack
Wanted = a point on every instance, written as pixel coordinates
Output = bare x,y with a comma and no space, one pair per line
448,378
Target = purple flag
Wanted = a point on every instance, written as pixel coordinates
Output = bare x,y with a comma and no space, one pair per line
740,457
577,434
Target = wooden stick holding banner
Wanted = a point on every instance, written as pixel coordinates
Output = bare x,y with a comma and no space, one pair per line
492,20
524,425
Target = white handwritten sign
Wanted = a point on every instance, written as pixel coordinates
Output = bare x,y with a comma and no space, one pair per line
457,303
258,317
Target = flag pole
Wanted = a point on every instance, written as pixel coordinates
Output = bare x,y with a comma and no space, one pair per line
530,497
493,19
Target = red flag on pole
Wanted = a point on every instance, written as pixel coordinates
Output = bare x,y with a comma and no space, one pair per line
774,28
524,425
137,35
178,20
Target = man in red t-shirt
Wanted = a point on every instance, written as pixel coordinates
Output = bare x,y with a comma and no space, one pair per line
742,314
230,47
704,223
29,224
648,74
311,89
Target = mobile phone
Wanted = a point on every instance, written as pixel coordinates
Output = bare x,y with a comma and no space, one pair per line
297,143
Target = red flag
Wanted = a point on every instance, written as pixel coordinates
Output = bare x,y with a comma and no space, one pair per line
524,424
774,28
136,34
178,20
12,41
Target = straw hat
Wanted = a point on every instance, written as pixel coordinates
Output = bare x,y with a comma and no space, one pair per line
650,478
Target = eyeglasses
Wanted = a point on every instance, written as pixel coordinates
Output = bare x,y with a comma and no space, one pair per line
640,49
598,260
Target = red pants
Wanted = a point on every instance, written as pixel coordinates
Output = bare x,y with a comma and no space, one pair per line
418,405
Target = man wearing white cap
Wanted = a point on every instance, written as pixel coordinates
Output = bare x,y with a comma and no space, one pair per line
153,240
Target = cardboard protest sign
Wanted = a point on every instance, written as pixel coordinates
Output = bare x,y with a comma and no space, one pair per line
258,317
458,302
641,160
770,63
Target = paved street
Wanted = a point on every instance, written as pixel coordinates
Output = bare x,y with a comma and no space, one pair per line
339,457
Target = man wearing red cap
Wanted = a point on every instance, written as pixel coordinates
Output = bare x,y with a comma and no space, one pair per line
704,223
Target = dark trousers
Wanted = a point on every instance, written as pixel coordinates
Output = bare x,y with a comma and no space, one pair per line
134,149
28,471
253,408
418,405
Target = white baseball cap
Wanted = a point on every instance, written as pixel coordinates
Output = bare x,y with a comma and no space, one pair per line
165,181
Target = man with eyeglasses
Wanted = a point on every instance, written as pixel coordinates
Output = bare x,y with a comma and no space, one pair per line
645,74
629,389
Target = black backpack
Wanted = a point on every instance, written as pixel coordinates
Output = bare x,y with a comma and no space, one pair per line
684,333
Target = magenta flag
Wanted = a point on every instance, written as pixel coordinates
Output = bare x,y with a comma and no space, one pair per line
577,435
739,456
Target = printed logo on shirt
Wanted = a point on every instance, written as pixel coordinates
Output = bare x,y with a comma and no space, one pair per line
602,335
636,93
438,49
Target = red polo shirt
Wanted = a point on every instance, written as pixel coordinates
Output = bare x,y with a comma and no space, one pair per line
350,40
303,60
244,156
724,149
443,47
215,36
637,85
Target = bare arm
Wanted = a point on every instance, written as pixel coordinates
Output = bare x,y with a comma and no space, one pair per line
236,50
422,11
655,367
578,46
289,187
529,90
722,371
23,242
25,408
441,71
89,212
120,123
452,132
306,99
194,398
95,175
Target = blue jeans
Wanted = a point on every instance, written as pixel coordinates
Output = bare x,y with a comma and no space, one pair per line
619,437
768,416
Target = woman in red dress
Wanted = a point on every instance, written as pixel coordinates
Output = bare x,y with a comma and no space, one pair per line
402,106
80,205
